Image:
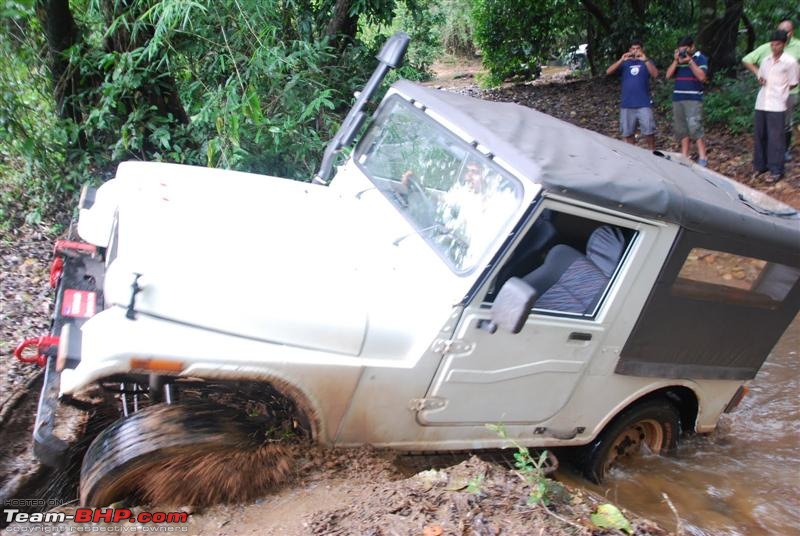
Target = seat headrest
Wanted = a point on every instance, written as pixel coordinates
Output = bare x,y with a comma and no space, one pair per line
605,247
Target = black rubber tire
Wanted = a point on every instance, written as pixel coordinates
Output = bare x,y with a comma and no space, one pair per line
132,446
655,421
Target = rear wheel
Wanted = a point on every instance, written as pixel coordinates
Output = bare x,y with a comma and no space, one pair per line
195,454
652,426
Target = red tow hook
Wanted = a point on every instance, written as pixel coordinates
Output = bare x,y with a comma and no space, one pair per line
42,344
56,269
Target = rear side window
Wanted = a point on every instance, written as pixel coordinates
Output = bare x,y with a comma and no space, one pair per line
725,277
716,310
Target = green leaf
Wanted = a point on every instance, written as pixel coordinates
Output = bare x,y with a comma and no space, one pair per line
608,516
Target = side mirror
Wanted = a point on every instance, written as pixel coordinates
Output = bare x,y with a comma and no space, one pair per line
513,304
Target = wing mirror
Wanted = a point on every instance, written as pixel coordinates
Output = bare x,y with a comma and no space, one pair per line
512,306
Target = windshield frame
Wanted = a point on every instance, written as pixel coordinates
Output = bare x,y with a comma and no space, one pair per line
470,149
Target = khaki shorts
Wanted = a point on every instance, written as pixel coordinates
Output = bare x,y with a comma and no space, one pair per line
687,119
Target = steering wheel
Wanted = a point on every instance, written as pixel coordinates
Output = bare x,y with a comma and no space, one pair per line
411,195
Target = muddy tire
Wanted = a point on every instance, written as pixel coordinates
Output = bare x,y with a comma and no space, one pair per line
653,424
181,454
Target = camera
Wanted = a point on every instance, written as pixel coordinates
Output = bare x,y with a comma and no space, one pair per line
683,53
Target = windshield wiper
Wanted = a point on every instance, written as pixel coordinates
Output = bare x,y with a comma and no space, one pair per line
434,227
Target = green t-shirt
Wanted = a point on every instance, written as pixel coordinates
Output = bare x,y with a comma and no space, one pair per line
759,53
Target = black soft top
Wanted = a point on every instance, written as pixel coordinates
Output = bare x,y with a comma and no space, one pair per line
587,166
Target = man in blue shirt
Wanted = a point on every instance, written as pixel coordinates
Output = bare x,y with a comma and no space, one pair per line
636,107
689,69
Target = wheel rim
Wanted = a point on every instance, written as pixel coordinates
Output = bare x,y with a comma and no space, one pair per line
647,433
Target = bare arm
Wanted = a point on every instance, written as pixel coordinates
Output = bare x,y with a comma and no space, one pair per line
673,66
750,67
616,65
651,67
699,73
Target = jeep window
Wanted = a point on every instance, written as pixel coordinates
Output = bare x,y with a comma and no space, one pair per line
456,198
724,277
569,260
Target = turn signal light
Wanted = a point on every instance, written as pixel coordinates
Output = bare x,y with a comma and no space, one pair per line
155,365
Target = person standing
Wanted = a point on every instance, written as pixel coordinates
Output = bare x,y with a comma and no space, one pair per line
636,106
778,73
752,60
689,67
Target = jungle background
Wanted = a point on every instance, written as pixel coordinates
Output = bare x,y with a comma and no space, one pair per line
261,85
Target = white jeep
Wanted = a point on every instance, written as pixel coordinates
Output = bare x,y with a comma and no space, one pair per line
471,262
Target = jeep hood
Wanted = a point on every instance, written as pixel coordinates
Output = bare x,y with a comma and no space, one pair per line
259,257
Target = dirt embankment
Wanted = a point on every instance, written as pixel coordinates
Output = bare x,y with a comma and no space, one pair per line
594,104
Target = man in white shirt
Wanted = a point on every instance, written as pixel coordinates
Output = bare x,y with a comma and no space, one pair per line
777,74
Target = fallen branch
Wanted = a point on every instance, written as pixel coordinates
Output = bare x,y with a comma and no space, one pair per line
678,528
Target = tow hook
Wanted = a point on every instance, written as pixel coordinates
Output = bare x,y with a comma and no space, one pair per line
45,345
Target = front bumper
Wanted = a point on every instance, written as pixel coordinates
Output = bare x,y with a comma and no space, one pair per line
77,274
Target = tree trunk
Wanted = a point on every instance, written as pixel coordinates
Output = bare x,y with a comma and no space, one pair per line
718,32
751,32
341,29
61,33
161,92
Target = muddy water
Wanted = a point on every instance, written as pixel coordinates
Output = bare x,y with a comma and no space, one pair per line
744,479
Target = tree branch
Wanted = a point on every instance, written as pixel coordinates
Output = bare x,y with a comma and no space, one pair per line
598,14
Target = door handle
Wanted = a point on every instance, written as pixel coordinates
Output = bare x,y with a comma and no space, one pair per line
579,336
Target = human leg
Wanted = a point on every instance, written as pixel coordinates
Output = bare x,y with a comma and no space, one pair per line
791,102
679,127
685,146
627,124
647,126
702,157
776,143
694,124
760,141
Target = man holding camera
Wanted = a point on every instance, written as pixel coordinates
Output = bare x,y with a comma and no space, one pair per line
636,107
759,54
689,70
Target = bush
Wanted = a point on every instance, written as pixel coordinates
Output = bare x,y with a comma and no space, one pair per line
456,28
513,35
730,101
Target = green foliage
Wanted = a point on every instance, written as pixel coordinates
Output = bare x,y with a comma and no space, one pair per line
608,516
730,102
420,20
456,27
32,142
514,36
475,484
531,468
251,85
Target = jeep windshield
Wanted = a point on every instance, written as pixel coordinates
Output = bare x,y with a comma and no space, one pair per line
457,199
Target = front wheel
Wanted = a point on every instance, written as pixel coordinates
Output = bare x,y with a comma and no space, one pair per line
650,426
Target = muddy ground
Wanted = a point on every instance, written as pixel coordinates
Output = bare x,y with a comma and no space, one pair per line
354,492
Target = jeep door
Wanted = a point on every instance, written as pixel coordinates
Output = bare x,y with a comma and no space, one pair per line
528,377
